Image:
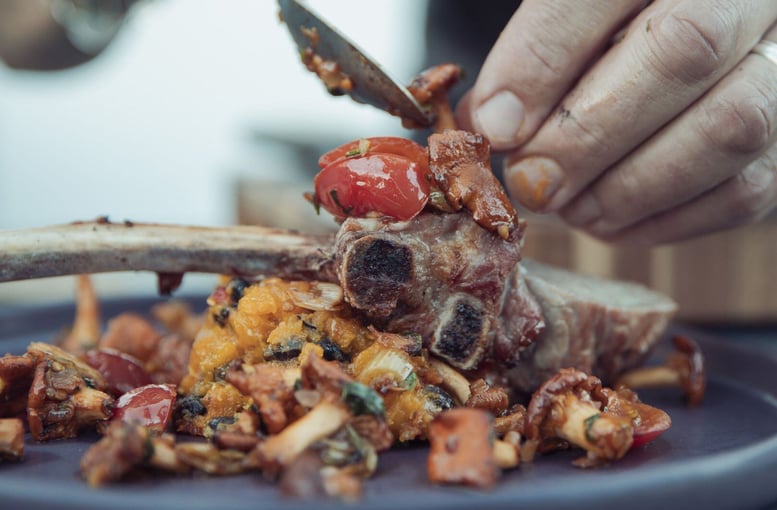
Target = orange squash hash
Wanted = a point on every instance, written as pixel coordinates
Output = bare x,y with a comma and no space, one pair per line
272,321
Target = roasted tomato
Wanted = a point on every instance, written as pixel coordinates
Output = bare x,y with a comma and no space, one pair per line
121,371
653,423
387,176
150,405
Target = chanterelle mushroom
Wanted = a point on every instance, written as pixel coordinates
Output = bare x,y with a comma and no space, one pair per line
15,379
66,394
571,406
683,368
11,439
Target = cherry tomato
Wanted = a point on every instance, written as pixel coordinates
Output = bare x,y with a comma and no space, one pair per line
654,422
389,179
150,405
121,371
379,144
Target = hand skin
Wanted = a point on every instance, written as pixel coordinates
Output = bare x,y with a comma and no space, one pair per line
637,122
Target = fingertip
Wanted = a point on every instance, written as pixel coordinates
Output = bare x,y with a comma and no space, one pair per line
533,181
499,118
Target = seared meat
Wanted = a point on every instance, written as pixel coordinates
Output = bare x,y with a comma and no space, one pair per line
441,276
463,289
601,327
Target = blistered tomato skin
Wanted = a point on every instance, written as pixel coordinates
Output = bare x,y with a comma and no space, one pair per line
391,184
380,145
654,422
150,405
121,371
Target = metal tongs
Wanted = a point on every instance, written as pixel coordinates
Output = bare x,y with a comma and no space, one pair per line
371,84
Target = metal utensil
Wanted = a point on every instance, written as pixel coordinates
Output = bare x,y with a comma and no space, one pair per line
371,83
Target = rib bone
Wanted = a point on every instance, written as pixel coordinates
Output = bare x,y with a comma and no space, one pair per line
101,246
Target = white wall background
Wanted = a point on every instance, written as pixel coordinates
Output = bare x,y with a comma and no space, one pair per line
160,126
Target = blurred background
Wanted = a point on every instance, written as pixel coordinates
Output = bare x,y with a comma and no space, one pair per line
176,111
200,112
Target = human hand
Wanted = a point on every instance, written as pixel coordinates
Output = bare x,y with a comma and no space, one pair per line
668,134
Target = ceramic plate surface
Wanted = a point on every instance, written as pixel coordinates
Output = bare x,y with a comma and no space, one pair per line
721,455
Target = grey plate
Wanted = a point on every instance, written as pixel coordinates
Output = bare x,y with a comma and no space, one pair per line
721,455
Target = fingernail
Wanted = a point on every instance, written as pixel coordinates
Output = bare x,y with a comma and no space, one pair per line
500,119
533,180
583,211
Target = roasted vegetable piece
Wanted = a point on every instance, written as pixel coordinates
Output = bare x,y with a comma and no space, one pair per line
150,405
242,435
571,406
430,89
85,332
271,391
383,176
506,455
11,439
65,396
649,422
124,447
488,397
15,379
452,381
121,371
132,334
461,448
208,458
178,317
169,362
684,368
324,419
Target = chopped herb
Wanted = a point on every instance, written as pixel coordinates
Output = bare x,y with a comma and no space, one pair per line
332,351
362,399
289,349
361,150
410,381
221,316
297,384
236,288
416,347
437,399
346,210
220,422
189,407
589,423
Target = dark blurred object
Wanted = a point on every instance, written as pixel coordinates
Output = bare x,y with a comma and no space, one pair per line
463,32
58,34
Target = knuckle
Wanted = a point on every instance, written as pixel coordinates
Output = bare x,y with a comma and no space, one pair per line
627,192
581,137
692,47
755,192
550,59
740,123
